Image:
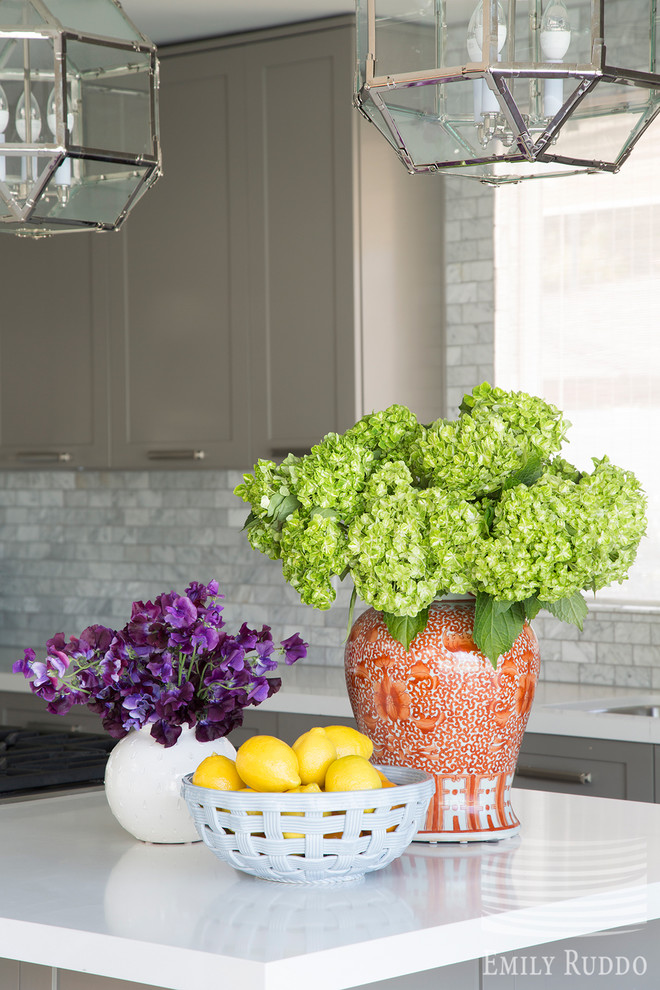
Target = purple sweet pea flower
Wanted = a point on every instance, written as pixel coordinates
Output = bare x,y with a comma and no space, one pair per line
247,637
24,666
172,664
234,655
179,611
164,733
205,638
294,649
58,663
259,691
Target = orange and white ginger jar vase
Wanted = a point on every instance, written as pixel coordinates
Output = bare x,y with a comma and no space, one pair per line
442,707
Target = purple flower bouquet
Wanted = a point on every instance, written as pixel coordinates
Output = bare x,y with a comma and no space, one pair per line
172,664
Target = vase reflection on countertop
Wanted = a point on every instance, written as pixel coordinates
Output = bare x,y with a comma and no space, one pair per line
454,880
181,881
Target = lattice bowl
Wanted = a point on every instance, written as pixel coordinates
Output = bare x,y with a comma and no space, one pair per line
312,838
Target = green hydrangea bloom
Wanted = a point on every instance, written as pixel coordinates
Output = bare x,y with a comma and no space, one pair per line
466,457
390,431
560,536
313,549
334,474
410,545
264,538
538,426
530,550
271,488
615,505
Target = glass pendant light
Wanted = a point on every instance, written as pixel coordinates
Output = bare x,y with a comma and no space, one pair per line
509,89
79,84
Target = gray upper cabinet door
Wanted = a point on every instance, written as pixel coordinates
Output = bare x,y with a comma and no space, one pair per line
300,157
178,311
347,300
53,356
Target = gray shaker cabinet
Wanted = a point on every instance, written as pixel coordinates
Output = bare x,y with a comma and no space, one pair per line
346,251
53,352
178,316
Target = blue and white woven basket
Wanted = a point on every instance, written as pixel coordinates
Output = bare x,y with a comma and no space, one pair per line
338,835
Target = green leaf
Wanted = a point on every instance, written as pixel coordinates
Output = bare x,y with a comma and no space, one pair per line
528,474
404,628
573,609
281,507
251,520
351,609
497,625
532,607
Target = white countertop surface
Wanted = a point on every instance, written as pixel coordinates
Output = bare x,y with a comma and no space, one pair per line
79,893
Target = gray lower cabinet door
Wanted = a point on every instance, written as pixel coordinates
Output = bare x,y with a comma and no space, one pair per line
596,767
29,976
180,373
53,351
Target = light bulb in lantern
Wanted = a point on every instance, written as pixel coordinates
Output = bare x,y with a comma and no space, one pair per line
485,100
555,37
63,173
34,121
4,121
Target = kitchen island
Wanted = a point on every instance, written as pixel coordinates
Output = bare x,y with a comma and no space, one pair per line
81,895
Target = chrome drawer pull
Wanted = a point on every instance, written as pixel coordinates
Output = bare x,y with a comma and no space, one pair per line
563,776
176,455
44,456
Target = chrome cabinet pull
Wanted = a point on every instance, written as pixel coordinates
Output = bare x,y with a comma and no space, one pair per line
176,455
44,456
563,776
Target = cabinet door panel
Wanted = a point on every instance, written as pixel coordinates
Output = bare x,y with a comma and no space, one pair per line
179,327
301,232
595,767
53,358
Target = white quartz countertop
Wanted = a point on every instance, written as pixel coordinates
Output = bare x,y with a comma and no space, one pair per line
79,893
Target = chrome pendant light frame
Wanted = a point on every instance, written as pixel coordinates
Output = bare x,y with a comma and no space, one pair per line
40,201
525,136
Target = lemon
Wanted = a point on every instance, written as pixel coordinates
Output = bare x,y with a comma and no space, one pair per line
315,751
349,742
266,763
218,772
352,773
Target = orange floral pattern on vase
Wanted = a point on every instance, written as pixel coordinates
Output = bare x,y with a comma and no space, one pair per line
443,708
391,700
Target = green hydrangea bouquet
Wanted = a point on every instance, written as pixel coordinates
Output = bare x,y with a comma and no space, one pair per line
481,505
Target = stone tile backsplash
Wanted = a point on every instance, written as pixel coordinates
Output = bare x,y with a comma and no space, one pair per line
79,547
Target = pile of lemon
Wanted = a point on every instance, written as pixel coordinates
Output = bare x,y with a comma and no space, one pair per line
326,758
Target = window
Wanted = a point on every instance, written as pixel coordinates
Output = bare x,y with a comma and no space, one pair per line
577,321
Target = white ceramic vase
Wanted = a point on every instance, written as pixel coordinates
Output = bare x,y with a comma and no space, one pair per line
143,781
